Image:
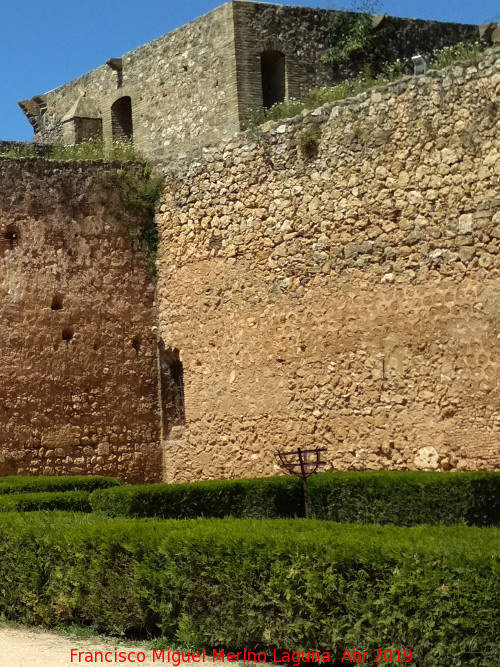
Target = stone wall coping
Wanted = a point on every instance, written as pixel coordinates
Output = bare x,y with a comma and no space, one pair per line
77,170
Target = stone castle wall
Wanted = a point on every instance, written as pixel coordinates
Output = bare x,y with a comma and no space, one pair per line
335,280
303,35
196,86
78,389
180,85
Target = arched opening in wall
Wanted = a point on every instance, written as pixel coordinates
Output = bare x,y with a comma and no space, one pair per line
121,120
273,68
171,387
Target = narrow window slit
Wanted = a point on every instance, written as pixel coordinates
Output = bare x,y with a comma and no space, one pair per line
67,334
11,235
57,302
172,387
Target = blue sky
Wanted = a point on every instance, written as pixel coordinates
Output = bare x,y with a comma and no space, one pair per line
46,44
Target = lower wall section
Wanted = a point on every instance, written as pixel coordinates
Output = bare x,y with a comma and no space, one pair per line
384,376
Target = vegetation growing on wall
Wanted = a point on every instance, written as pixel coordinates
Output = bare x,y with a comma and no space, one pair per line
351,35
132,195
449,55
365,80
121,151
360,37
308,142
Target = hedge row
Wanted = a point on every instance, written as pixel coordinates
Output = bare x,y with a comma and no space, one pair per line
408,498
398,498
260,584
48,484
271,498
71,501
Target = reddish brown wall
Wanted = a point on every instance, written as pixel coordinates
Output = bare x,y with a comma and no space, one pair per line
87,405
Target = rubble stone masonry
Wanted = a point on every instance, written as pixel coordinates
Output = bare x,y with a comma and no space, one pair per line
334,280
195,86
78,388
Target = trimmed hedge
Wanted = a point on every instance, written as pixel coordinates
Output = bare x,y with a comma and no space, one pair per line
270,498
292,585
51,484
386,497
407,498
71,501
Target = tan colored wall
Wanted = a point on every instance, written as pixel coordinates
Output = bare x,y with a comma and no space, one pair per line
349,298
86,405
182,87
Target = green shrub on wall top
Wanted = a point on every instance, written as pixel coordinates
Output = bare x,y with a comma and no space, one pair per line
456,53
351,34
384,497
292,585
46,484
118,151
357,39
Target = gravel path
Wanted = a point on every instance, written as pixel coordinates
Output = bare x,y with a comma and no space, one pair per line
32,648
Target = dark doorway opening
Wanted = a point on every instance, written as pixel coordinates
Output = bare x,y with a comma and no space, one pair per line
121,120
172,387
273,77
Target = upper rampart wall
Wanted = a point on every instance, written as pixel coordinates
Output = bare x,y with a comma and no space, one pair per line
180,85
335,280
78,389
303,35
195,86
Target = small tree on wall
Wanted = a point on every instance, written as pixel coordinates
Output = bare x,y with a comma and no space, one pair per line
351,35
360,40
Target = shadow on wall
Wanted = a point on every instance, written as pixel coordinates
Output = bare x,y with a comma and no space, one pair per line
172,388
